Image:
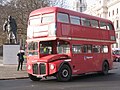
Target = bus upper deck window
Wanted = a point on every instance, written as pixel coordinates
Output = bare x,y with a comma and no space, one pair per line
94,23
103,25
75,20
35,20
85,22
48,18
109,26
61,17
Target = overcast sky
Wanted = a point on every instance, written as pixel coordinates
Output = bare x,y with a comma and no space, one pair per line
90,2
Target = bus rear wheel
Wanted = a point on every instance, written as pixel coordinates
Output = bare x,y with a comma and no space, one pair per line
34,78
64,74
105,68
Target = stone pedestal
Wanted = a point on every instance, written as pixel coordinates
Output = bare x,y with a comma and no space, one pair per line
10,54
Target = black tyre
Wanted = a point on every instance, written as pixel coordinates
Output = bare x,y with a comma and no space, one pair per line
34,78
105,68
64,74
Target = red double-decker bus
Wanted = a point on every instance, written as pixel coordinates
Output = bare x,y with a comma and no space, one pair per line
63,43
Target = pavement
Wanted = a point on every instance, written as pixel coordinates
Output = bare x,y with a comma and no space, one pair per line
9,72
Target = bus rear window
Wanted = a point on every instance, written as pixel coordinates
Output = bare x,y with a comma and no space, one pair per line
61,17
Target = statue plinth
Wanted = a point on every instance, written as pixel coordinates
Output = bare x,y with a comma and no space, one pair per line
11,44
10,53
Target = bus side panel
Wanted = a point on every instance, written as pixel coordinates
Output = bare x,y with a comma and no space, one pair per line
63,29
85,32
103,57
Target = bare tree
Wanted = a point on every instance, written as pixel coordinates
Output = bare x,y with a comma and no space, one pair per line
59,3
23,9
20,10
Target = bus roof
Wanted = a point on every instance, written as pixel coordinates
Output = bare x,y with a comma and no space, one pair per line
58,9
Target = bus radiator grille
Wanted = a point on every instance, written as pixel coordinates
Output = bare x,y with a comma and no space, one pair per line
39,68
42,68
35,68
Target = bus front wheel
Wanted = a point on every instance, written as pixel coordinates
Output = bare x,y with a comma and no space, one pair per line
34,78
64,74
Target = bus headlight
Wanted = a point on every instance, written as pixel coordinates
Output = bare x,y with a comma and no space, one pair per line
52,66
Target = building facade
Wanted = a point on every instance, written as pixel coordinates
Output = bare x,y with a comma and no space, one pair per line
78,5
109,9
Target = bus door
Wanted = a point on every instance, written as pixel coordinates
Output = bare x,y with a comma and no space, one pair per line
78,59
78,63
97,57
88,58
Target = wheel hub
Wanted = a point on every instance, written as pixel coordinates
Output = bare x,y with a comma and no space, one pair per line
64,73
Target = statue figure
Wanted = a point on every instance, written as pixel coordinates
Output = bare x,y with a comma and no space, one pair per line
10,27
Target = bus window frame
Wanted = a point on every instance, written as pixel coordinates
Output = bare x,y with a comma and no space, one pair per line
75,18
104,23
92,24
107,24
97,47
41,18
103,49
62,21
45,14
33,51
35,17
82,19
80,50
85,48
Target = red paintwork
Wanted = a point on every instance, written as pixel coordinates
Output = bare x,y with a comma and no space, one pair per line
57,9
116,56
78,61
47,59
68,30
51,58
57,58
